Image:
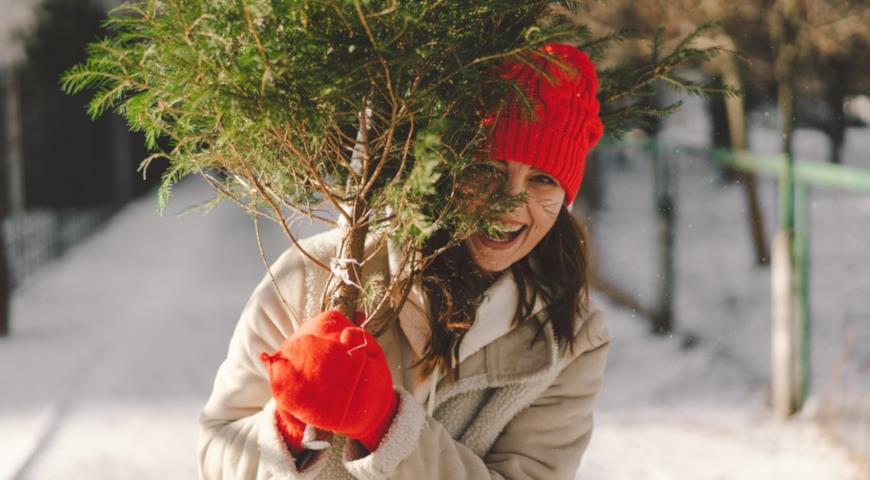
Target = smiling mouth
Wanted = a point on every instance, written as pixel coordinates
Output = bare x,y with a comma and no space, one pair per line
504,234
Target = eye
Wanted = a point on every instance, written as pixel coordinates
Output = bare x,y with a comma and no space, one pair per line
484,174
544,179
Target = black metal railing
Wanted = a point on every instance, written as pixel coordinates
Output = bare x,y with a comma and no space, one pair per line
36,237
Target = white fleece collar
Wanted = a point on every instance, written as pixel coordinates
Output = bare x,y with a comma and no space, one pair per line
494,317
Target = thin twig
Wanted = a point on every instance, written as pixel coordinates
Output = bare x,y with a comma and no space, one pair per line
317,180
294,317
282,220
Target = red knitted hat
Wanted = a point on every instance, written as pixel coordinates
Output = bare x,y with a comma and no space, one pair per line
563,125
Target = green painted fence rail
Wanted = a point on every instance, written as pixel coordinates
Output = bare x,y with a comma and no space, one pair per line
795,179
815,174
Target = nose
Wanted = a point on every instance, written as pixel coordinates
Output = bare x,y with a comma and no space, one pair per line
516,179
515,186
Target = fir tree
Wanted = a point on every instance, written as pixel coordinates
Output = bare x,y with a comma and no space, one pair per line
371,107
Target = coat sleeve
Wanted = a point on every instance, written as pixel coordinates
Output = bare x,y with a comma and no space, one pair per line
238,437
545,440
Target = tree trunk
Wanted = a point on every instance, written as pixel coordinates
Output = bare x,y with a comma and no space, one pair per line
835,97
350,255
662,321
347,264
736,113
721,134
593,189
756,218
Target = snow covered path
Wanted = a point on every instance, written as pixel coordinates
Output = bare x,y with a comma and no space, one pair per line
115,346
670,414
698,410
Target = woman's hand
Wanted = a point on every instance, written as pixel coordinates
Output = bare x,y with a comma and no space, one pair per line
333,375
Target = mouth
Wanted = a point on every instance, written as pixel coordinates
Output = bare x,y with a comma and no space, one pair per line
502,235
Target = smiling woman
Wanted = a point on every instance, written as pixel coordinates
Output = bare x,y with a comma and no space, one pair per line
491,369
518,232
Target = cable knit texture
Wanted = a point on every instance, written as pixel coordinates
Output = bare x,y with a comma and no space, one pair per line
564,124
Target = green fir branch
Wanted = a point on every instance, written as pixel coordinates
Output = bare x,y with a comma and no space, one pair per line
270,93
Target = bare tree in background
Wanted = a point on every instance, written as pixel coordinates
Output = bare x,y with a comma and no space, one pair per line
829,44
738,24
836,38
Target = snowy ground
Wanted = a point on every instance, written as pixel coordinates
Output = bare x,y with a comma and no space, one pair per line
702,412
115,346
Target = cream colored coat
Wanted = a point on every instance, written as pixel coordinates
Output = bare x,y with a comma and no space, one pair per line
516,412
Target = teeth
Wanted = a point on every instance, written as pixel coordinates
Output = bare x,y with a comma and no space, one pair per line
507,228
504,233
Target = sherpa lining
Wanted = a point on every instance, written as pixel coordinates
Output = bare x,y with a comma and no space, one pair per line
400,442
275,457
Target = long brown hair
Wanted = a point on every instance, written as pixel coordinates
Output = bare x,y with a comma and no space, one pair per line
556,269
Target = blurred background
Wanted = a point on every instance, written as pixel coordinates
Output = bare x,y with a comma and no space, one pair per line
113,319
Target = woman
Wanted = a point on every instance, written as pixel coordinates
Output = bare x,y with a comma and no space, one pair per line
494,365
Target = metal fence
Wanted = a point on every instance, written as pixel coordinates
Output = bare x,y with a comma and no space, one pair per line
722,296
36,237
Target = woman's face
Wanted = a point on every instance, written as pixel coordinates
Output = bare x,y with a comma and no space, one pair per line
525,226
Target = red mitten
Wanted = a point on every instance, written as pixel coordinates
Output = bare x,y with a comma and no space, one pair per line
333,375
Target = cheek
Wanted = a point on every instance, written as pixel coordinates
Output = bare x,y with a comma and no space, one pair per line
541,227
544,207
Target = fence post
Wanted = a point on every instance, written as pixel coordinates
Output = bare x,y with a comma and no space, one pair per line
791,323
789,345
782,333
802,267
